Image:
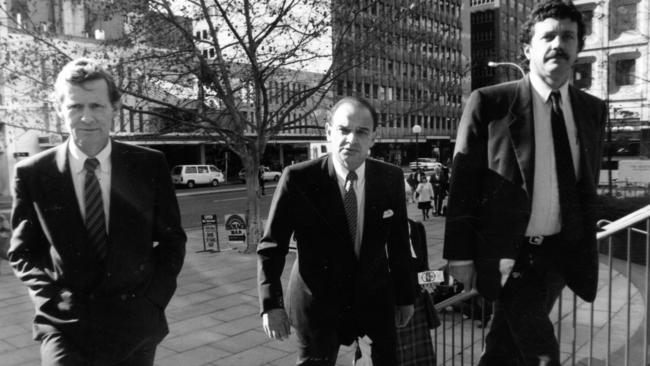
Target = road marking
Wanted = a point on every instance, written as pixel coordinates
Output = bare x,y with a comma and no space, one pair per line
229,199
227,190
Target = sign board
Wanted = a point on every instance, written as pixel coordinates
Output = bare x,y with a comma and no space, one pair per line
236,229
210,233
634,171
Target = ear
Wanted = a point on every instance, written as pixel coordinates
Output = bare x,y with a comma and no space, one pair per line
116,106
328,131
373,135
526,49
59,109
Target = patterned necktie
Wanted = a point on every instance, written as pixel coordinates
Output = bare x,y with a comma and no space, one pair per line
95,221
350,203
571,216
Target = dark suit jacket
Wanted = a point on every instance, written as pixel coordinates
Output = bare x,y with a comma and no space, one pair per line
491,186
117,304
328,285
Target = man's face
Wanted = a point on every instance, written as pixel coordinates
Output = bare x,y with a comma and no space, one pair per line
350,134
88,114
553,49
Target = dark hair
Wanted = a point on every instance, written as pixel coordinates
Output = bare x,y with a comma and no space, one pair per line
556,9
357,101
81,70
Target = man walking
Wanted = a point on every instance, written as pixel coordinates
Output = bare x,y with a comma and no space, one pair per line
351,276
520,219
97,237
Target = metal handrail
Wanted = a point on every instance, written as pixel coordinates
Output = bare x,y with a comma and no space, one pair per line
619,337
623,223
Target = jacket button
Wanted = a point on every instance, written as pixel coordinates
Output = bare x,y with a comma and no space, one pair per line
123,297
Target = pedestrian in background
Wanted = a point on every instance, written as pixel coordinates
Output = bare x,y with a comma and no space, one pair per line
97,235
439,182
424,195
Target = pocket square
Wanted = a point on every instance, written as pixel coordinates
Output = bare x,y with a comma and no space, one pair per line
388,213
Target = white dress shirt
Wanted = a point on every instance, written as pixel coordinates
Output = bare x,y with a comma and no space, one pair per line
545,216
76,159
359,190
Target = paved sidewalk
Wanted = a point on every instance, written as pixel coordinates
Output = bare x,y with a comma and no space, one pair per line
213,317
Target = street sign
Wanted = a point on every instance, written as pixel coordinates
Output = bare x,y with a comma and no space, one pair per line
210,233
236,229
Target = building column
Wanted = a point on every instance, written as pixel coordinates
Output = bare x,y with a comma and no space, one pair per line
201,153
281,153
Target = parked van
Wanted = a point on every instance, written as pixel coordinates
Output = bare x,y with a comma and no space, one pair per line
192,175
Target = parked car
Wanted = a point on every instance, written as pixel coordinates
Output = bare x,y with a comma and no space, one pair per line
425,164
267,174
193,175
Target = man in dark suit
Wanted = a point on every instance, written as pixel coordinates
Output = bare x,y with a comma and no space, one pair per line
520,219
97,237
351,276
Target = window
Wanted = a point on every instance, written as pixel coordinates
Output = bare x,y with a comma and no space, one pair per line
582,76
190,170
214,169
205,34
625,70
624,18
203,169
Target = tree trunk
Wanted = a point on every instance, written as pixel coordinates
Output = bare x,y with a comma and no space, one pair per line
254,226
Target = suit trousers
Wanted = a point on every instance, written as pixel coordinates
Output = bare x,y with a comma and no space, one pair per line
320,348
521,332
58,350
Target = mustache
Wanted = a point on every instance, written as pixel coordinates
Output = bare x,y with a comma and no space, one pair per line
557,53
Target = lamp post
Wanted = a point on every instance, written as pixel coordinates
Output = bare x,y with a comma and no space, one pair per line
417,130
497,64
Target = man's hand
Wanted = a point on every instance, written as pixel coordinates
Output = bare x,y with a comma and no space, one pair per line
464,273
403,314
505,267
276,324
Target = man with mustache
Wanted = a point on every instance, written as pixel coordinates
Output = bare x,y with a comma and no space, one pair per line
351,277
520,222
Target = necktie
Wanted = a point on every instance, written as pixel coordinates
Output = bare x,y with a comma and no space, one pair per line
350,203
95,221
571,216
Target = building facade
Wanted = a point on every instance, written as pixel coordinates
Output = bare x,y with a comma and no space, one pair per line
495,26
615,66
405,58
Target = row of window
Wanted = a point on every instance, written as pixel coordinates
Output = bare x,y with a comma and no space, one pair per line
624,73
409,120
390,8
392,93
403,69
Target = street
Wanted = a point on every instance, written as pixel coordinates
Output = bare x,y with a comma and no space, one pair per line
220,201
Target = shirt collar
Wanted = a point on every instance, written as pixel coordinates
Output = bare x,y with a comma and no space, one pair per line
78,157
544,91
342,172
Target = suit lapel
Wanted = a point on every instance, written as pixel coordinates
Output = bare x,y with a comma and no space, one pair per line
60,208
580,116
374,190
522,132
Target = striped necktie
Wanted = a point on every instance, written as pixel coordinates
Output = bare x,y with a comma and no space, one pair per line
95,221
350,203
